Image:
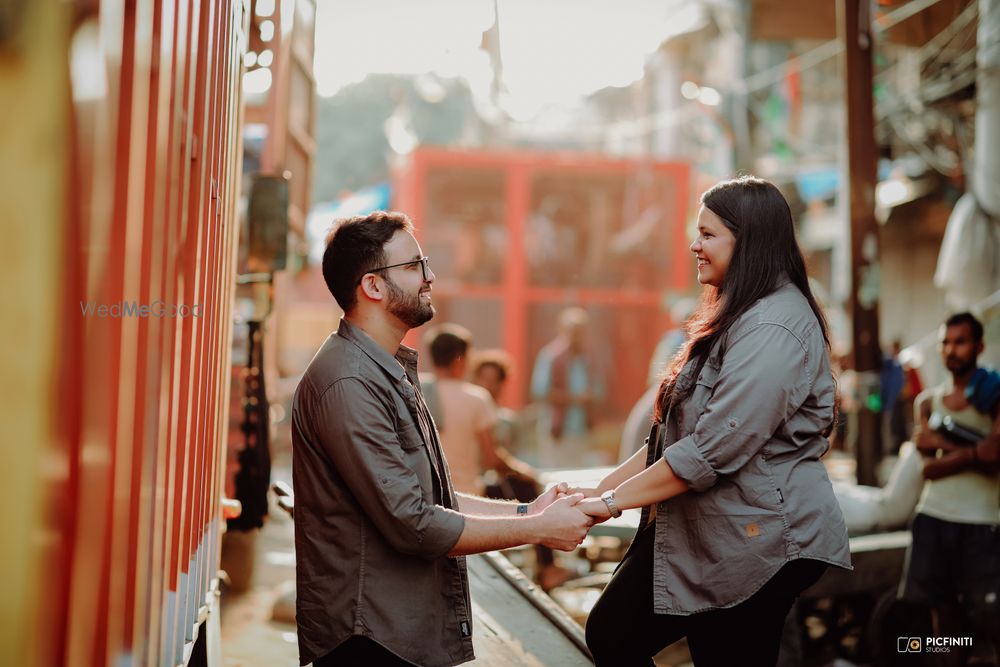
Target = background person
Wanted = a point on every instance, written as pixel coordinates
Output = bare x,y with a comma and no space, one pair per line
952,564
464,412
566,381
490,370
512,478
892,381
739,515
468,418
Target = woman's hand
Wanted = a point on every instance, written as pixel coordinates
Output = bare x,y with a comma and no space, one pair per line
588,492
596,508
553,494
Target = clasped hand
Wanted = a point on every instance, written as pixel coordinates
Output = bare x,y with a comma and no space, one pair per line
592,505
568,513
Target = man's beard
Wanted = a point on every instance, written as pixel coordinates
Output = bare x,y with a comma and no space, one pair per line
410,310
960,366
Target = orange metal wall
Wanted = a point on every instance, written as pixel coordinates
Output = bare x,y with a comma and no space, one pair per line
154,182
636,313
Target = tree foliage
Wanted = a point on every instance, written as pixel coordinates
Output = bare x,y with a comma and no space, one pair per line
352,151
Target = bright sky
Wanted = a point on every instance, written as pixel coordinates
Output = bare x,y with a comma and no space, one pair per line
554,51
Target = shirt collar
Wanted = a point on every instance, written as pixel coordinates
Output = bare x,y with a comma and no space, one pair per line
406,357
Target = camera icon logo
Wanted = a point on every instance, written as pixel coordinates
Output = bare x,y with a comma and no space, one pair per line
909,645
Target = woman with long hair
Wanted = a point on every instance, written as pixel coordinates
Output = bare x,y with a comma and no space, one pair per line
739,515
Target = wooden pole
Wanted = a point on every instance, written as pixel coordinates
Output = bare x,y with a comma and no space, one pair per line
854,27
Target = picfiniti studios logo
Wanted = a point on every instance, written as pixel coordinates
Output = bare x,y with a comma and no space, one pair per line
931,644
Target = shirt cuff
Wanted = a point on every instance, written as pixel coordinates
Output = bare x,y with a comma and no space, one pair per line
441,533
688,463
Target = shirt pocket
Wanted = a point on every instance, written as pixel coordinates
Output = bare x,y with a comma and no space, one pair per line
416,456
704,389
719,537
708,376
409,437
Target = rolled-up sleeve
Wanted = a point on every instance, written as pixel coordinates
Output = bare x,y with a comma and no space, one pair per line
358,434
763,380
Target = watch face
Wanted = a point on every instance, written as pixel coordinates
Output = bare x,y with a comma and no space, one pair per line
609,499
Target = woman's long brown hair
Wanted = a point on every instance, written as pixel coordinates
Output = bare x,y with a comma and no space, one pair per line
756,212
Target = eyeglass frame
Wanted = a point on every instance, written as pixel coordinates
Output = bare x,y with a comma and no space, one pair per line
424,262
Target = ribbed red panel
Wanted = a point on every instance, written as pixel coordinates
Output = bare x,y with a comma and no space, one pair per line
155,181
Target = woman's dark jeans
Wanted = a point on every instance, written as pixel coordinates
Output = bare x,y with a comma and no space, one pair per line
623,631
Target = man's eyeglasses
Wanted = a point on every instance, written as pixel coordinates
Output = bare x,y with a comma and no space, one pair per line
424,263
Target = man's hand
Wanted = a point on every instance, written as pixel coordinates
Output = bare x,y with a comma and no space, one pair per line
929,443
539,504
988,450
949,464
596,508
561,525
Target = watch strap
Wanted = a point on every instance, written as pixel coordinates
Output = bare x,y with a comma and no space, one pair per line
609,499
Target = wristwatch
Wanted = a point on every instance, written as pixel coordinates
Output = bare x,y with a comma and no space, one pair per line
609,499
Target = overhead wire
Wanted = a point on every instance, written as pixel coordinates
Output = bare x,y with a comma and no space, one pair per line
933,89
930,52
943,73
828,49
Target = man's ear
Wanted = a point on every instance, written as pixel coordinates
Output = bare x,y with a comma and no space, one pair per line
371,287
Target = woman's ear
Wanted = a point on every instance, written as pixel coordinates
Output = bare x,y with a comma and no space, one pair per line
371,287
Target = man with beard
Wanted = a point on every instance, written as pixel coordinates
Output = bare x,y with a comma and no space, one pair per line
951,565
380,534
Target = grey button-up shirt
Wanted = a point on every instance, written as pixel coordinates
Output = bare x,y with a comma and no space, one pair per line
373,509
748,442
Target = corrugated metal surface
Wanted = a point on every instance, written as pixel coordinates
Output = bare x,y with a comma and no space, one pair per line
131,472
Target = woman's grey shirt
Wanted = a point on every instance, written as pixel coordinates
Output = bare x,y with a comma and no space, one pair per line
748,442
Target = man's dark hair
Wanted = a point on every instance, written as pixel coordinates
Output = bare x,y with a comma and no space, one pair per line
356,246
448,343
497,359
975,326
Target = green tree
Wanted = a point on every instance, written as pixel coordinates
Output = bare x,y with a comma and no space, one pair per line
352,151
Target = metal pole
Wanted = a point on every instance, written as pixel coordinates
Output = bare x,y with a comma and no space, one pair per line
855,30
